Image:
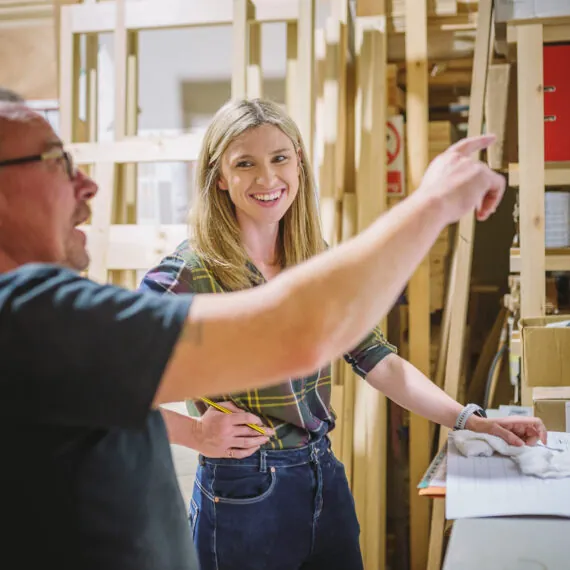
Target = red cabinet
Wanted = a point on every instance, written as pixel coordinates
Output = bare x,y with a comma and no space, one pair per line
556,102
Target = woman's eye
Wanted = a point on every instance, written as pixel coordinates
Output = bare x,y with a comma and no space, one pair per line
281,158
243,164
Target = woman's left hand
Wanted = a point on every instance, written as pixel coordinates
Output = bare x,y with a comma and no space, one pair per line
515,430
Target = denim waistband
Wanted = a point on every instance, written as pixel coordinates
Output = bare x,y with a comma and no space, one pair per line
276,458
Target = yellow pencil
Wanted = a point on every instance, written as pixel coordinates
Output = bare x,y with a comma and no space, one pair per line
226,411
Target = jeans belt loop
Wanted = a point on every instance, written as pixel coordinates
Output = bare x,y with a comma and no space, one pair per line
263,461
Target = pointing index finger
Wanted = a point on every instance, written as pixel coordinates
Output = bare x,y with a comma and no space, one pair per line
469,145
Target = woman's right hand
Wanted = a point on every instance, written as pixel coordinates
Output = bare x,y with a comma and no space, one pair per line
227,435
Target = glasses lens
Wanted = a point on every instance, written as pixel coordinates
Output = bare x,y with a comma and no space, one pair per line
69,165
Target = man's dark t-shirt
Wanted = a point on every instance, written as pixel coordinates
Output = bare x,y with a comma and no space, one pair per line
87,478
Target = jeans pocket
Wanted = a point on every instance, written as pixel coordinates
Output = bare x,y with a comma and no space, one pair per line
237,485
193,512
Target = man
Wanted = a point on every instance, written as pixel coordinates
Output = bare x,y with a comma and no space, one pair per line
87,476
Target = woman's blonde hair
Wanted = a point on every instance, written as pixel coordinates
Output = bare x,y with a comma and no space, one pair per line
215,234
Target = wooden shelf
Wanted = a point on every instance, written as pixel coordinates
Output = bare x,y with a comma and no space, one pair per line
555,260
555,174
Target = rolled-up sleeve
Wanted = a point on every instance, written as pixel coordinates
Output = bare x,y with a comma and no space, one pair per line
364,357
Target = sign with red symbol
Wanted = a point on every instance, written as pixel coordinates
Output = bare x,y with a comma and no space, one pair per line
395,151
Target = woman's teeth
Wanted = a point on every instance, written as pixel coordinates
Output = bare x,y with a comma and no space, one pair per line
268,197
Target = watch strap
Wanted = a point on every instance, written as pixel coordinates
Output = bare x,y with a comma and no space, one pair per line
466,413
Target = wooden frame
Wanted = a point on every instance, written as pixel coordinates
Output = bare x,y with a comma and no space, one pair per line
114,164
128,246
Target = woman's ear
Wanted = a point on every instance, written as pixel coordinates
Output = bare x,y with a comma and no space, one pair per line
222,184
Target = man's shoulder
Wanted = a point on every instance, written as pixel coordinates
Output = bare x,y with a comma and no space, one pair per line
35,272
38,277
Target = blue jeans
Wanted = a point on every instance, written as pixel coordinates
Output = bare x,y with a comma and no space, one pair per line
275,510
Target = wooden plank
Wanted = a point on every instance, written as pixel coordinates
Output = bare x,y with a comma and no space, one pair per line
304,106
180,148
417,104
555,174
254,77
371,435
496,111
99,232
554,31
463,255
243,12
152,15
133,247
69,67
291,72
556,259
532,177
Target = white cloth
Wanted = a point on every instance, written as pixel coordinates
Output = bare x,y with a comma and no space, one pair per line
536,460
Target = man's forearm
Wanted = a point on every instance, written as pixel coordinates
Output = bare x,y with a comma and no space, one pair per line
305,317
316,311
404,384
344,293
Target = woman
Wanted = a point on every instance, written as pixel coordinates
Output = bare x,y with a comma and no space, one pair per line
279,500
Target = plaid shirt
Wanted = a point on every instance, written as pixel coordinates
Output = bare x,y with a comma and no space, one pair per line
299,409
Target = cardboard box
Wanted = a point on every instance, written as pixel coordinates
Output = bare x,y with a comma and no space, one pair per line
545,351
506,10
552,406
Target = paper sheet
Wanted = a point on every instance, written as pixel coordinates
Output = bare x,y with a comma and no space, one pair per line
494,486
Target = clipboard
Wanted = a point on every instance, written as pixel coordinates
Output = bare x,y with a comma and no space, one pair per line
433,483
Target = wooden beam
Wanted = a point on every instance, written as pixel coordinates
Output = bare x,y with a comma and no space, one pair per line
532,177
291,72
254,77
304,106
133,247
98,242
555,174
70,65
417,103
496,111
554,31
151,15
243,13
370,432
181,148
462,260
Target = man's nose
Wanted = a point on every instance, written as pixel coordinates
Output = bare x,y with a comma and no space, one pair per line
85,187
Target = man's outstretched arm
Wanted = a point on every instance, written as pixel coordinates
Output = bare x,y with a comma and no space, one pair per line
313,313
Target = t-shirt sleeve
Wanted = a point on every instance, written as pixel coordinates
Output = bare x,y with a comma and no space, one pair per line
373,348
82,354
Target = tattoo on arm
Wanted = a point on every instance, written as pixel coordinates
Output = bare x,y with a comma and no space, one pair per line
192,332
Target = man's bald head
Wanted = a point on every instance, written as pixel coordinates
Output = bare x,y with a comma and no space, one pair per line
17,121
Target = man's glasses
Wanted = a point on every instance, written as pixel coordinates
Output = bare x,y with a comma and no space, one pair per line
54,154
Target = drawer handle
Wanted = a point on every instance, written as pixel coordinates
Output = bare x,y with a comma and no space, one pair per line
549,88
550,118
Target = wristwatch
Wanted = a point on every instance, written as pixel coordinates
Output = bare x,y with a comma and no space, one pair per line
466,413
